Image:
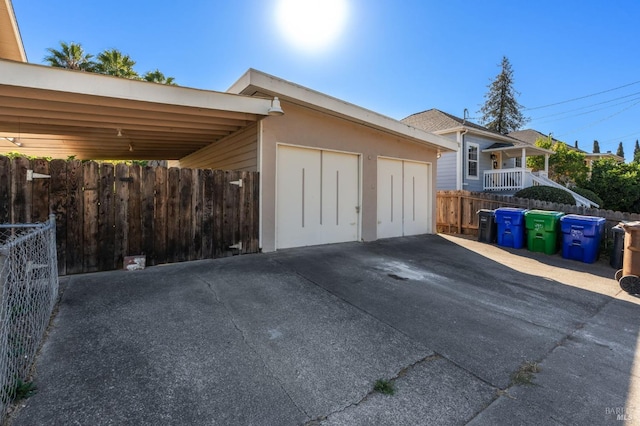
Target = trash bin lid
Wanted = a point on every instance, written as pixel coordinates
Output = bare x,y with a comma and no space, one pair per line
543,213
631,226
579,218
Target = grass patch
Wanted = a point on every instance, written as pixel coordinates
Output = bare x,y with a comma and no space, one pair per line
384,386
21,390
524,374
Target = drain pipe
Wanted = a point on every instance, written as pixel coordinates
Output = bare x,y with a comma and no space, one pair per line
460,174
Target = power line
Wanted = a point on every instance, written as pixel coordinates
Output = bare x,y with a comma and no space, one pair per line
590,105
583,113
581,97
600,121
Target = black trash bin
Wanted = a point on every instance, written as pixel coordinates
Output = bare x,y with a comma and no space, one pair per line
487,226
617,248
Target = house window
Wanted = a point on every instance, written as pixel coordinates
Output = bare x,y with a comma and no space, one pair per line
518,162
472,161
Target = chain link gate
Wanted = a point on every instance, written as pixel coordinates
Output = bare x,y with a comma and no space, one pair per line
28,294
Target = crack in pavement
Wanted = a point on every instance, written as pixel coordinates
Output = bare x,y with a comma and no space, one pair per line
249,345
401,373
561,342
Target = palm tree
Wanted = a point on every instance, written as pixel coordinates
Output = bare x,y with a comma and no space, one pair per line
114,62
157,77
71,56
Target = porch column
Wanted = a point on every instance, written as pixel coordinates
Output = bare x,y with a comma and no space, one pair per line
546,164
523,162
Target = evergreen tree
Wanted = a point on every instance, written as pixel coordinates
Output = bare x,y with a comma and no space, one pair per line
620,151
636,153
596,147
501,111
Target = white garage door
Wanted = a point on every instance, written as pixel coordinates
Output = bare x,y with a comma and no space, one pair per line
317,197
404,198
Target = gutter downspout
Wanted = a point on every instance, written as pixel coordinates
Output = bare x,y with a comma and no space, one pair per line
460,160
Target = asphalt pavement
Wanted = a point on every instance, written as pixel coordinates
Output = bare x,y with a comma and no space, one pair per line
301,336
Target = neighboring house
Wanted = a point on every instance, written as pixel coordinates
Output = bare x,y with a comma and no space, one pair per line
486,160
330,171
530,136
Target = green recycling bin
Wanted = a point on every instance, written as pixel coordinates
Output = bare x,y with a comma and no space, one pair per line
542,230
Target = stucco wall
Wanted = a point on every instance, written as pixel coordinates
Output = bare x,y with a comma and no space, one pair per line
305,127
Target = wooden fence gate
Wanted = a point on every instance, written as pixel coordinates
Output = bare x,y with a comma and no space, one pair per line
105,212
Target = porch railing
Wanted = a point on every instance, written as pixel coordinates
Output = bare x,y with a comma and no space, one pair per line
506,179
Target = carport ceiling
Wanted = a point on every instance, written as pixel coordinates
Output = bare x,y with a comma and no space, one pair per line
58,113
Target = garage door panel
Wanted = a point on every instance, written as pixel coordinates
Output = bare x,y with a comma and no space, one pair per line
339,197
417,217
404,198
389,198
317,197
298,204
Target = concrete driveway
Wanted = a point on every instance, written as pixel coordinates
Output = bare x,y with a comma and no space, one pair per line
301,336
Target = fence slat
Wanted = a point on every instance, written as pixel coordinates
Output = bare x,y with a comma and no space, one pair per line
207,214
121,229
160,212
106,218
90,216
185,214
147,195
40,192
135,212
75,207
20,191
196,218
5,190
58,206
173,212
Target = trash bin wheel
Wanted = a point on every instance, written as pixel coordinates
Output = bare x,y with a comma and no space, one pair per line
618,274
630,284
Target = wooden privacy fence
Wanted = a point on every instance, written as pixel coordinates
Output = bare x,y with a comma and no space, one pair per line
456,211
105,212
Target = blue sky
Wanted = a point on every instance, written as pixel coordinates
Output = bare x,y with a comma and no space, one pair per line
393,57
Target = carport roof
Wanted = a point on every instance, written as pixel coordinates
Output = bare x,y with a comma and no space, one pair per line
58,112
11,46
259,84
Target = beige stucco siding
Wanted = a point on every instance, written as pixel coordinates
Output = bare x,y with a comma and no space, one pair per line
305,127
238,151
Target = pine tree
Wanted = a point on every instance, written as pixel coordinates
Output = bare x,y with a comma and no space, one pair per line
620,151
596,147
501,111
636,153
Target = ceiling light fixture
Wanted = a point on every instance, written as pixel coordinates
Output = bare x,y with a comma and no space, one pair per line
119,133
275,109
130,147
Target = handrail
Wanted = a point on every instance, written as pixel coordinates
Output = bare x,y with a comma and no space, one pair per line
579,198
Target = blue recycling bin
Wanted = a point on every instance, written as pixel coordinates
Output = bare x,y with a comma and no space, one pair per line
510,224
581,237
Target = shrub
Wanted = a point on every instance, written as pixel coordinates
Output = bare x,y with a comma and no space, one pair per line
589,194
546,193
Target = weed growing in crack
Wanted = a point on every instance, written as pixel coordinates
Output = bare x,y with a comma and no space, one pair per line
524,374
384,386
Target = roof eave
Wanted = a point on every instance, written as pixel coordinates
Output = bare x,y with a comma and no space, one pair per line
254,81
46,78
